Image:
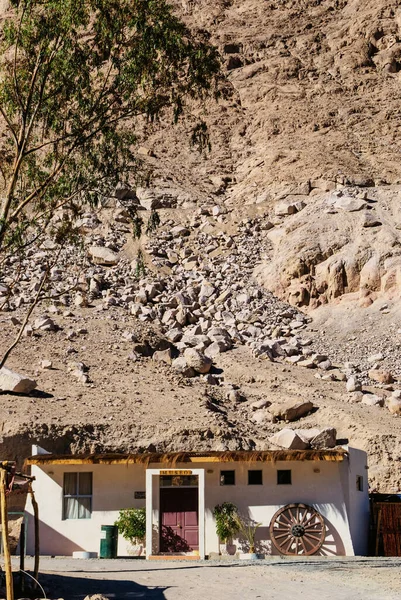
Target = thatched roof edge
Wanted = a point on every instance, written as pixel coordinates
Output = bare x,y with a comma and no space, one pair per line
173,458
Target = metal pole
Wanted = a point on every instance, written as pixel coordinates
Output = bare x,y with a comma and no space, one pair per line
22,556
6,547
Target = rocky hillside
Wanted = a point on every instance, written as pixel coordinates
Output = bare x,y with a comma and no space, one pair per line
272,287
195,355
316,94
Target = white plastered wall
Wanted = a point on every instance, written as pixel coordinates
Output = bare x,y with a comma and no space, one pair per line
328,486
322,490
113,489
357,500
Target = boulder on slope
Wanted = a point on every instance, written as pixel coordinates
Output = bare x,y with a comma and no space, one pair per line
10,381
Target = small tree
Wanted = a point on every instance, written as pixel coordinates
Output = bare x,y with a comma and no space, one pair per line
131,524
77,79
227,525
247,527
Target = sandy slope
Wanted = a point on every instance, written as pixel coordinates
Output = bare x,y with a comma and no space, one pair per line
142,405
315,93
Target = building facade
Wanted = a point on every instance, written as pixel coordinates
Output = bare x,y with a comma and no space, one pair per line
78,494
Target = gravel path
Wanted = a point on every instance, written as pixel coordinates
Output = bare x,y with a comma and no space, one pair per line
273,579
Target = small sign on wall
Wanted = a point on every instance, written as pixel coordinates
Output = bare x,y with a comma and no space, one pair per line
139,495
176,472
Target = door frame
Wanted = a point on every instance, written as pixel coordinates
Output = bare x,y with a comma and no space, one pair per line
152,512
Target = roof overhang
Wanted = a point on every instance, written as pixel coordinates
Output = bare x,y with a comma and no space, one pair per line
172,458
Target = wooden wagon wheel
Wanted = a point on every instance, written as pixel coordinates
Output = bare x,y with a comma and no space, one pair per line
297,529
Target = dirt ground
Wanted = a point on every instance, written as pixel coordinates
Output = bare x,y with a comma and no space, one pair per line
116,411
273,579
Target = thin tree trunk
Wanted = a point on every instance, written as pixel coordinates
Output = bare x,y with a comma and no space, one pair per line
6,205
4,525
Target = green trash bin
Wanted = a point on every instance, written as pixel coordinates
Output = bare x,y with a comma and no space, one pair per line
108,541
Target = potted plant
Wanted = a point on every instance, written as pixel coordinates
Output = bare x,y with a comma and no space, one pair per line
226,515
247,528
131,524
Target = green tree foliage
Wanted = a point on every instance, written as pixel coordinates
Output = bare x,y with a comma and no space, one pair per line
74,77
226,517
131,524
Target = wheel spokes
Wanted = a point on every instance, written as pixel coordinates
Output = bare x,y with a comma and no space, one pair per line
313,537
293,519
283,543
286,518
282,535
297,529
289,544
308,520
305,514
311,525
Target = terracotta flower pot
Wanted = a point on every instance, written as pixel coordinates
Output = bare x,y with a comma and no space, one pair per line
228,549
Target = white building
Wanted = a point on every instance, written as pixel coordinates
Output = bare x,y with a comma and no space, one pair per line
78,494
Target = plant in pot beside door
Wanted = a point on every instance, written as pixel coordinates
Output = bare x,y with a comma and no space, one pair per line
247,528
131,524
226,516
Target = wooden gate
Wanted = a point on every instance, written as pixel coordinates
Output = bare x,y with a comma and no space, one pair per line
387,518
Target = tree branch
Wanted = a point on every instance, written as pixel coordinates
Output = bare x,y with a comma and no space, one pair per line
17,91
39,190
33,81
41,93
27,317
9,125
11,285
3,175
49,143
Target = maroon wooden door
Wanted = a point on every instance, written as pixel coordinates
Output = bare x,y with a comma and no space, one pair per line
179,519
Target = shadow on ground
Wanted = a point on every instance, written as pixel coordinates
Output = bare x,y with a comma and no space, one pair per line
77,588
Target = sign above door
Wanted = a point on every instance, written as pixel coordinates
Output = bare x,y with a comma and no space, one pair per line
175,472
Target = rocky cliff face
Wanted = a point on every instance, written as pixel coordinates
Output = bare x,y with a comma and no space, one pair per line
345,242
277,264
317,91
314,113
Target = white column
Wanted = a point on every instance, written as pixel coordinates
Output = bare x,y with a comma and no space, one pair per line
149,512
201,509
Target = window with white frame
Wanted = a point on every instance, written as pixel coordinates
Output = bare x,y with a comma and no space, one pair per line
77,496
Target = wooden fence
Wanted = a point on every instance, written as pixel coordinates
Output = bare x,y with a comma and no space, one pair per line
386,528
